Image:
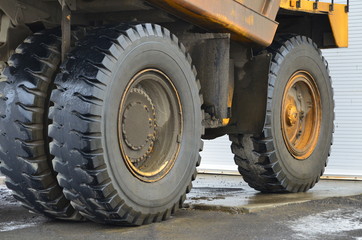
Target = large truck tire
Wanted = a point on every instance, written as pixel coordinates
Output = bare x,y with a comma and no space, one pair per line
127,125
291,152
25,88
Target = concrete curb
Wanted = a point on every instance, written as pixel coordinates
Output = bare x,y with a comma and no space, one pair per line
230,194
236,173
235,209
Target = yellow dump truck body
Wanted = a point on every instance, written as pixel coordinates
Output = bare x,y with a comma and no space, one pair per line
252,20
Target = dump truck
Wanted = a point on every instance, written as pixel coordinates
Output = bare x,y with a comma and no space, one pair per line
104,103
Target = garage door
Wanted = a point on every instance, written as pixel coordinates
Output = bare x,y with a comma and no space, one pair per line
346,71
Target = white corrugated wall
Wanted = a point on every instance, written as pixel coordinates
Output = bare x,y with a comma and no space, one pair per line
346,71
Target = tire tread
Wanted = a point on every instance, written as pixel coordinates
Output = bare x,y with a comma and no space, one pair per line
83,174
23,142
255,155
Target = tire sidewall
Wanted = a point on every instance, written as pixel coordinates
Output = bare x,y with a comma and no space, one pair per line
305,57
160,53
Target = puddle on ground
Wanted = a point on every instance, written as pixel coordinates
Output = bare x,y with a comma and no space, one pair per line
207,198
325,223
212,194
222,190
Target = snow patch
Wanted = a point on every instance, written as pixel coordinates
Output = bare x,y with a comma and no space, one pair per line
11,226
329,222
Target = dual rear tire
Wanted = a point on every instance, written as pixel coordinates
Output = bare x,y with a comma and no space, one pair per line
126,124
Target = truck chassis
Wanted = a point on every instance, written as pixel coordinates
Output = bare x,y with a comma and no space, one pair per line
104,103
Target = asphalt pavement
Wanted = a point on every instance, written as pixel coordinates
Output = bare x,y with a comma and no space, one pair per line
218,207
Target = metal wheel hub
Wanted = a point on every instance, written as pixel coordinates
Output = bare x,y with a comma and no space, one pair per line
301,115
139,114
150,123
291,115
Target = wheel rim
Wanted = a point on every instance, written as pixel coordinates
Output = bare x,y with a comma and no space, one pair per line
301,115
150,125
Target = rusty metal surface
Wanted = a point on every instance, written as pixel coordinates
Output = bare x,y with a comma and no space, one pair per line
148,154
100,6
28,11
253,20
339,24
245,22
66,31
337,14
301,115
211,55
250,91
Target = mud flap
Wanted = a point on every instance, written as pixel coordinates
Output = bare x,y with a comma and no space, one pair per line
250,96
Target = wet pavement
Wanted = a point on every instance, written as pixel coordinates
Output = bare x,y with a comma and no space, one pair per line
230,210
232,194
